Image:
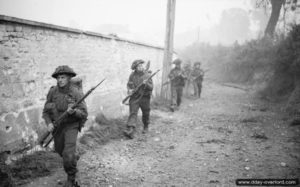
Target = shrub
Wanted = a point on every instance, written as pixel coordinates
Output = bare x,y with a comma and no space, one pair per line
273,62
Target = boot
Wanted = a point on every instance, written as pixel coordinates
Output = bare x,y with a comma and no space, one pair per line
129,132
172,108
71,183
178,102
77,157
146,128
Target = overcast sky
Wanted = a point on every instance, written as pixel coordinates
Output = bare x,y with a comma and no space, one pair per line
138,19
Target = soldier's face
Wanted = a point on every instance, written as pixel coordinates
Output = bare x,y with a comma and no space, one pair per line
62,80
140,67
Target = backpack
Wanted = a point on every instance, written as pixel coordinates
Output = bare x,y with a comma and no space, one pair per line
77,83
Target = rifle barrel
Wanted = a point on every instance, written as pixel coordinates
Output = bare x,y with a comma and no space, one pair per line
137,88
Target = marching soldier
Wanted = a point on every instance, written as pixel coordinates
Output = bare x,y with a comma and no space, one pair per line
60,98
197,77
187,69
177,78
139,100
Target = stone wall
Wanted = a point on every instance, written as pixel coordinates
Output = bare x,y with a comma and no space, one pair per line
29,53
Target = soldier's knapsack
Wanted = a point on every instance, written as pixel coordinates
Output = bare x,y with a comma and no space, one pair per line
77,82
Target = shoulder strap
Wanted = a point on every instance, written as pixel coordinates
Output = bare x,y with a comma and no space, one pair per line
53,89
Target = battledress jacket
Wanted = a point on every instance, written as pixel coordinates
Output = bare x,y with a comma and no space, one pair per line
197,75
136,78
177,77
57,103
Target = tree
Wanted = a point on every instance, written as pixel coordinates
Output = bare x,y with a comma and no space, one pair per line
276,7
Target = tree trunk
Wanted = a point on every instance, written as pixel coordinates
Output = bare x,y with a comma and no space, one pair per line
276,7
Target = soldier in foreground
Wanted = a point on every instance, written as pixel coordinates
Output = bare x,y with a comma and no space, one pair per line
197,77
139,100
60,98
177,79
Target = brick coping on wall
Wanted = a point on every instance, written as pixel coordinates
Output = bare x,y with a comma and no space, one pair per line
4,18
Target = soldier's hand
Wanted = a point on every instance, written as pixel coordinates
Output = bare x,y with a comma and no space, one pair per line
70,110
50,127
130,91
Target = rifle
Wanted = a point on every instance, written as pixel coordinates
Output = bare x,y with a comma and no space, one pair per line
202,75
169,81
138,87
64,115
147,66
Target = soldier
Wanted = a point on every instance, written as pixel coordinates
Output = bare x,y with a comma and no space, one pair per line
197,77
139,100
60,98
187,71
177,79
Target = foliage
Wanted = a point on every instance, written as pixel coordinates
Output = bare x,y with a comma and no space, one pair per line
272,62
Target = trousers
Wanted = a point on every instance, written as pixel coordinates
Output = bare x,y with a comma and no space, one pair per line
176,95
197,88
65,146
134,106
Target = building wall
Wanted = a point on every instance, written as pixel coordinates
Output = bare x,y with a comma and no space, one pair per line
29,53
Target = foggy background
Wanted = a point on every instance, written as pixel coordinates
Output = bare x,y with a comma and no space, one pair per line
248,113
215,21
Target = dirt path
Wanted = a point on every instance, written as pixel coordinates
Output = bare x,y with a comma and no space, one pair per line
211,141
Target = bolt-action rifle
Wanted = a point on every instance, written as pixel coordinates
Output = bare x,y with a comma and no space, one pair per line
136,90
201,75
170,80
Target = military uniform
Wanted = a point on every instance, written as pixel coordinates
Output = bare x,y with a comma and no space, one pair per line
139,100
177,78
58,101
197,77
187,71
